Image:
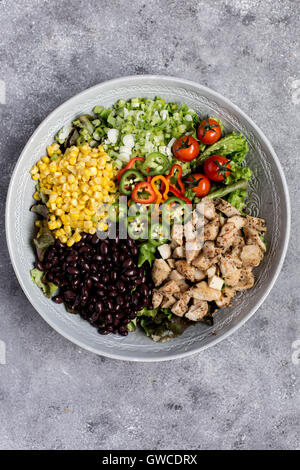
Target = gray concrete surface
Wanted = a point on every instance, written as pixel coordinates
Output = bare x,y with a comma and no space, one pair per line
241,394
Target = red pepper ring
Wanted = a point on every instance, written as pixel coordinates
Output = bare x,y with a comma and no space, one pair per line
176,193
129,166
143,186
178,177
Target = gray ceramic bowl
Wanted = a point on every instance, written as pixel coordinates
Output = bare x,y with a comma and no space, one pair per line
268,199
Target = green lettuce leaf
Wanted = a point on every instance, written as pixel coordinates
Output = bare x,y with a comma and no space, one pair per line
237,199
232,146
38,278
238,173
44,238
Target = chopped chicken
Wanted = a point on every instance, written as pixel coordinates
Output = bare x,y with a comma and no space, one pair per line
177,234
229,270
183,285
157,298
203,292
169,288
184,268
226,297
256,223
198,311
216,282
192,249
246,280
202,262
211,229
160,271
209,249
199,275
175,275
211,271
238,241
168,301
189,231
251,255
171,263
164,251
206,208
179,252
227,235
238,221
209,259
252,237
181,306
225,207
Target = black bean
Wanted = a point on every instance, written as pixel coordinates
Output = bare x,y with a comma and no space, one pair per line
105,278
69,295
95,239
127,263
100,307
114,276
39,265
58,299
104,247
131,272
72,270
144,290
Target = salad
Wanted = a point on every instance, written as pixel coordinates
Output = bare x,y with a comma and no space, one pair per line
141,218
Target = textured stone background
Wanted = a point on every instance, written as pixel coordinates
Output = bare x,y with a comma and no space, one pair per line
243,393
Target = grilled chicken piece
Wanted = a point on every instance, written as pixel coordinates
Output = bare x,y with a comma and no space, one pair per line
179,252
183,285
209,249
177,234
198,311
216,282
160,271
171,263
211,229
238,241
184,268
157,298
175,275
202,262
199,275
256,223
238,221
246,280
189,231
168,301
227,235
211,271
226,297
165,251
192,249
169,288
225,207
203,292
252,237
206,208
229,270
181,306
251,255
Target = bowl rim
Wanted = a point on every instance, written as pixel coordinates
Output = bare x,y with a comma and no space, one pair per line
286,237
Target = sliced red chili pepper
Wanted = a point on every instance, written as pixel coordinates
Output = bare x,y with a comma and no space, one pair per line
177,193
178,177
143,187
129,166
